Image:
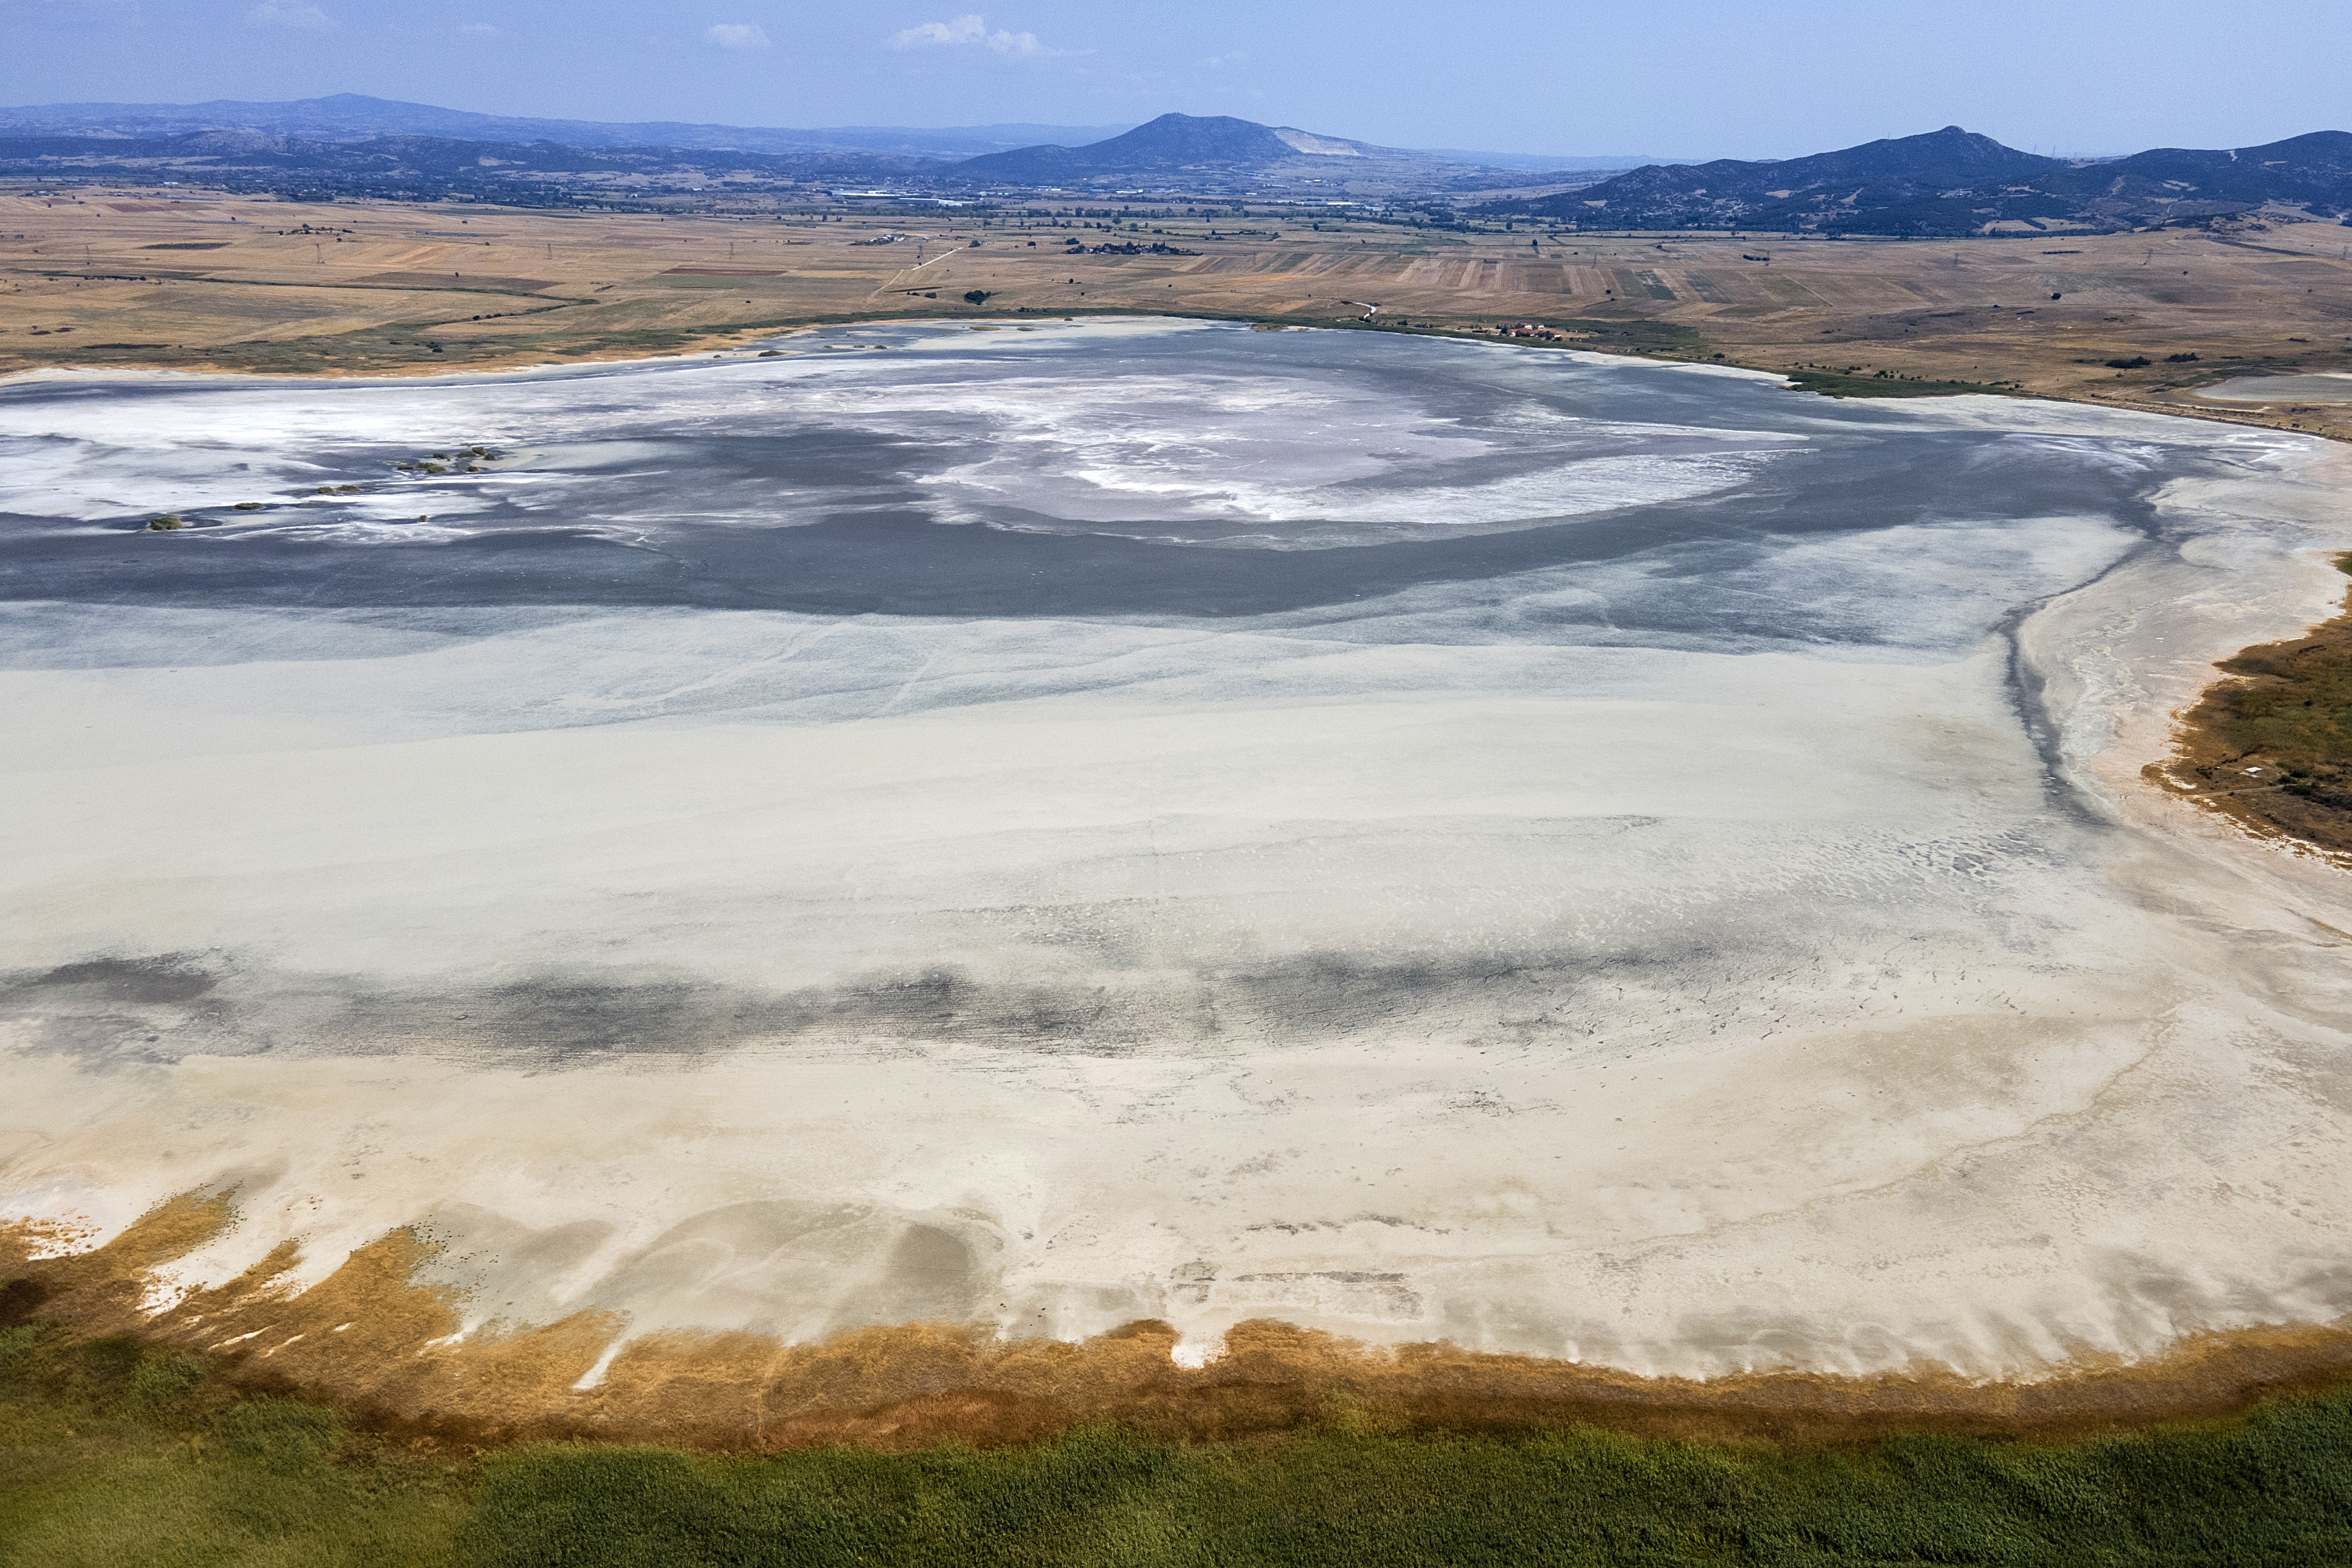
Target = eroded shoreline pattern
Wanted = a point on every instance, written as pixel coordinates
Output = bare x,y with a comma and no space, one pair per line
1064,830
396,1361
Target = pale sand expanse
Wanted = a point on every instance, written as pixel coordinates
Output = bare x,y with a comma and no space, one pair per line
1678,1010
2328,386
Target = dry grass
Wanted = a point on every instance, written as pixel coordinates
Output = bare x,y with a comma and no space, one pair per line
94,278
381,1346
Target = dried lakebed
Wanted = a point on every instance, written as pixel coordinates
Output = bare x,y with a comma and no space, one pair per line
1588,860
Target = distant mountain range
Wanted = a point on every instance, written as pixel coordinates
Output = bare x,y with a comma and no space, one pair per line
1193,145
1015,153
1955,181
1947,181
430,165
353,117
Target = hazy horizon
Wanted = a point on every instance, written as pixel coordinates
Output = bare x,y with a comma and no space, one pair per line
1690,79
1067,134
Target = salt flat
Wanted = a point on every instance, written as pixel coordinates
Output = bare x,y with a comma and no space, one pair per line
1134,818
2324,387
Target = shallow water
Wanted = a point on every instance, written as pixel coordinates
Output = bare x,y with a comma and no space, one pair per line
1143,819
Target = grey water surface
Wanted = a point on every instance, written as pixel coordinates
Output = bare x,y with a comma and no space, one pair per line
963,475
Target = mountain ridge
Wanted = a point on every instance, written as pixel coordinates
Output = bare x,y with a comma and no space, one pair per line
419,166
1948,181
1952,182
356,117
346,117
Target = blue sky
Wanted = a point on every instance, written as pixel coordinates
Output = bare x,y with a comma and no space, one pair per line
1679,77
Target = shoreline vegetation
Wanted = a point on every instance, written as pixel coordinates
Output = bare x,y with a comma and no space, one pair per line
129,1448
398,1355
113,1452
2269,747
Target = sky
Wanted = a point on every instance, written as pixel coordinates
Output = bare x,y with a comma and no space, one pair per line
1668,77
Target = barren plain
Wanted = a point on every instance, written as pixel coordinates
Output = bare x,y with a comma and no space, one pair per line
174,279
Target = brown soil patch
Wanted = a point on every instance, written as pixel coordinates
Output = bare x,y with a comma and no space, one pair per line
371,1340
2271,747
454,280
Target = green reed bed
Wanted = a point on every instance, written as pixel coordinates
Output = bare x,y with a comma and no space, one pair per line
115,1454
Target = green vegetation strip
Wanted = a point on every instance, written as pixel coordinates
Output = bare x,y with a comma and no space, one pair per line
119,1454
1886,384
2297,712
399,345
2273,744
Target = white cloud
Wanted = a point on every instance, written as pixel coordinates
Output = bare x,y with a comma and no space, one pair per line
738,36
478,30
968,30
288,14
